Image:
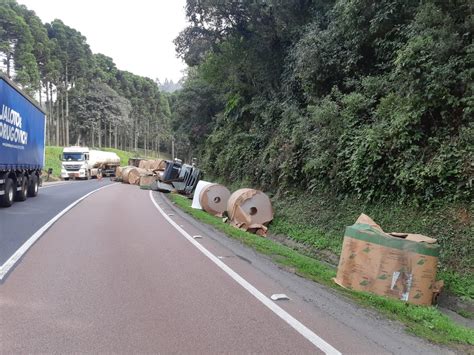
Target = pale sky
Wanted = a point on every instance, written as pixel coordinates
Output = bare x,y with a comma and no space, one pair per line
137,34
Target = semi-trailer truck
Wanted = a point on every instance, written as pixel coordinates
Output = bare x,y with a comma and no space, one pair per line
22,144
84,163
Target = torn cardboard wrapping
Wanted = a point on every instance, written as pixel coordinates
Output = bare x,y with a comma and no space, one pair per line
213,199
397,265
250,210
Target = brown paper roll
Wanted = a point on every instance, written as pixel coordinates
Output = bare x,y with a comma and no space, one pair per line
213,199
125,173
135,174
250,209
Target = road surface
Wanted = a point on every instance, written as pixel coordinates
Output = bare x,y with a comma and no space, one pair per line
23,219
123,272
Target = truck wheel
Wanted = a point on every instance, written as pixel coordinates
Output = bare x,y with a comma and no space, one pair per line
6,200
23,193
33,186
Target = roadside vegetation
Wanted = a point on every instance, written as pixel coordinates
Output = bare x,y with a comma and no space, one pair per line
336,108
88,100
426,322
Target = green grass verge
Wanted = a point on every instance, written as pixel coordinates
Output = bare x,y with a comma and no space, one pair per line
426,322
52,160
319,220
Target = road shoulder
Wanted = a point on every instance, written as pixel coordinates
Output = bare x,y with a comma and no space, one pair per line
370,324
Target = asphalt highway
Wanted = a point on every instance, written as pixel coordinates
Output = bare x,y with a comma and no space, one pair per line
124,272
20,221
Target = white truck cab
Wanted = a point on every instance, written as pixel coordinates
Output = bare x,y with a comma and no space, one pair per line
84,163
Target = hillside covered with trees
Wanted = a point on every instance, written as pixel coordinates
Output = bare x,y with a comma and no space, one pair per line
88,100
338,107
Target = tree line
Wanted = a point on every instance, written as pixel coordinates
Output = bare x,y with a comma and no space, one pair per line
373,97
87,99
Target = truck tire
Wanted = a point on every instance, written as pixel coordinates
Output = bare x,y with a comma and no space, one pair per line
6,200
22,194
33,186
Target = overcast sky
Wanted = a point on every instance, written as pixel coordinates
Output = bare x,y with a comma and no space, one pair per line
137,34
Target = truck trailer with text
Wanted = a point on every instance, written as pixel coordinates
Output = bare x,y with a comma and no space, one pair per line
22,144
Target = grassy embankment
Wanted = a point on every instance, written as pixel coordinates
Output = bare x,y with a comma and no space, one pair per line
53,161
426,322
314,224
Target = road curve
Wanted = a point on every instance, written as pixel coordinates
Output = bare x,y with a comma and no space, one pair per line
112,275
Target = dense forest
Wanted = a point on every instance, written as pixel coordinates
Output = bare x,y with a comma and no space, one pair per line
360,96
87,99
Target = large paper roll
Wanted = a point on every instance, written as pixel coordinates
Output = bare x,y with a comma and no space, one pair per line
135,174
250,210
197,192
213,199
125,173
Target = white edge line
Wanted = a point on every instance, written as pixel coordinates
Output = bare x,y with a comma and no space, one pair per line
293,322
7,265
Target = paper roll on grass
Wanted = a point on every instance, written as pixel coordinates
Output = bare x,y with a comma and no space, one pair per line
213,199
250,210
197,193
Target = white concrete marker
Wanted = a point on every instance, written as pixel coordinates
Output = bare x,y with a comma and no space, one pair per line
293,322
27,245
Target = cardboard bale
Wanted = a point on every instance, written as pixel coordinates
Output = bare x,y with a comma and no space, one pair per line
213,199
147,180
135,174
144,164
401,266
118,172
125,173
250,210
157,165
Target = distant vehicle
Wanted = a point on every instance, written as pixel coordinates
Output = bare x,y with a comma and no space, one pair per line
84,163
22,143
